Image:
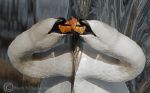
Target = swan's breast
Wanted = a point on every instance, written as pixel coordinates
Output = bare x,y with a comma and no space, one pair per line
56,66
92,64
98,86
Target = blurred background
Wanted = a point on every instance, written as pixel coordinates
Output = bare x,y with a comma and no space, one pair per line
130,17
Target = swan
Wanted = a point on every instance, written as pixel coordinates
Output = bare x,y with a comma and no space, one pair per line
38,39
106,60
55,64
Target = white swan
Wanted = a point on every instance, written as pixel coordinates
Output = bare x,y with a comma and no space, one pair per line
37,39
107,60
55,64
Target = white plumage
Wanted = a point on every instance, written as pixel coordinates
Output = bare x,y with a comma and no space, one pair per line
107,60
37,39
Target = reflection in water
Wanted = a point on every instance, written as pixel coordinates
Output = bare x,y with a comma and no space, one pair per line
130,17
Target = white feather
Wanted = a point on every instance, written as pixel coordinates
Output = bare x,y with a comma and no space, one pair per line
38,39
109,42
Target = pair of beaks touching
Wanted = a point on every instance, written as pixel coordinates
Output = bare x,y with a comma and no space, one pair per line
72,25
104,58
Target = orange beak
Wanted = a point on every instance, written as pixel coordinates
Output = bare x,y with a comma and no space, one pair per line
72,25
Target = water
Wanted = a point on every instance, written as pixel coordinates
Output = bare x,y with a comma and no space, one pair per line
130,17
